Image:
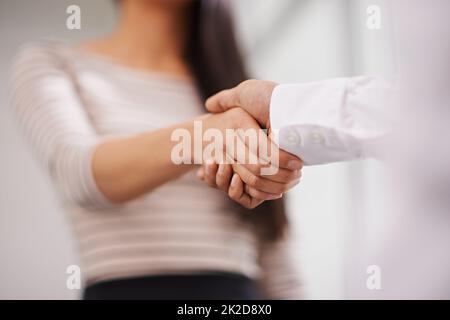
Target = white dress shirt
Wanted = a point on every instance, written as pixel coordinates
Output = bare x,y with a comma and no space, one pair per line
332,120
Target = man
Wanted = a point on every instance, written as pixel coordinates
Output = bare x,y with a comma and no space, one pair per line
345,119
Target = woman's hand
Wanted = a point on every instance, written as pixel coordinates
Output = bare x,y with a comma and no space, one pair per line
242,180
223,178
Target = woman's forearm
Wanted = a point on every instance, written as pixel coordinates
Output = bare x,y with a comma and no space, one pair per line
126,168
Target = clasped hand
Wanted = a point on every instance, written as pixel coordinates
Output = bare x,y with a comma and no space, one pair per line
244,181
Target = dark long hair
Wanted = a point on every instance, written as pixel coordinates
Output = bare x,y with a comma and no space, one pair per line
216,63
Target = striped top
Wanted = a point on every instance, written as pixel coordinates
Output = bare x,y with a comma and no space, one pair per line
67,102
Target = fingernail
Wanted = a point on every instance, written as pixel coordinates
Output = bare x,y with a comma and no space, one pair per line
200,173
221,169
294,165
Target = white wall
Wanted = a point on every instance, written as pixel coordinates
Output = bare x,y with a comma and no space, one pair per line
284,40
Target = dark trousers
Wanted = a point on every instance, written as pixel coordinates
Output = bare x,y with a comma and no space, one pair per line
215,286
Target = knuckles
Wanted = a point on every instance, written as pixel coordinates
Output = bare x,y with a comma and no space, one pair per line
254,181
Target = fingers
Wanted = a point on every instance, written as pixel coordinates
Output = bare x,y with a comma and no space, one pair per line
260,195
210,173
279,175
223,177
216,176
222,101
256,151
289,161
260,183
282,159
236,192
235,188
247,183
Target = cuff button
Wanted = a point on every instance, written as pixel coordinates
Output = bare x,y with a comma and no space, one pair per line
318,138
293,138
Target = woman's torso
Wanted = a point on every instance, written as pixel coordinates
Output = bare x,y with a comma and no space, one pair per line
183,227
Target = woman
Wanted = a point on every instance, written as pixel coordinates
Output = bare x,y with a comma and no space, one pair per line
100,117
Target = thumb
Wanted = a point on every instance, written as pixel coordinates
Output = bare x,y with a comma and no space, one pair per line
222,101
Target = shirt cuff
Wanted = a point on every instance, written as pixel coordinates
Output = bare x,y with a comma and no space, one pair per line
305,122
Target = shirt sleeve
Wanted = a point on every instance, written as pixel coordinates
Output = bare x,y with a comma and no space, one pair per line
333,120
45,102
281,278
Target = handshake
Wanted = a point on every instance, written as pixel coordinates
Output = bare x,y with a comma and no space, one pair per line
242,177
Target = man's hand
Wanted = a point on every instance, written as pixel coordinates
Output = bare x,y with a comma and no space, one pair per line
252,95
242,179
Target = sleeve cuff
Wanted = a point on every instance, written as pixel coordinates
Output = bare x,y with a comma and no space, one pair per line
306,120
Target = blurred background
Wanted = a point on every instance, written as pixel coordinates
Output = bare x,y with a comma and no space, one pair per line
282,40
